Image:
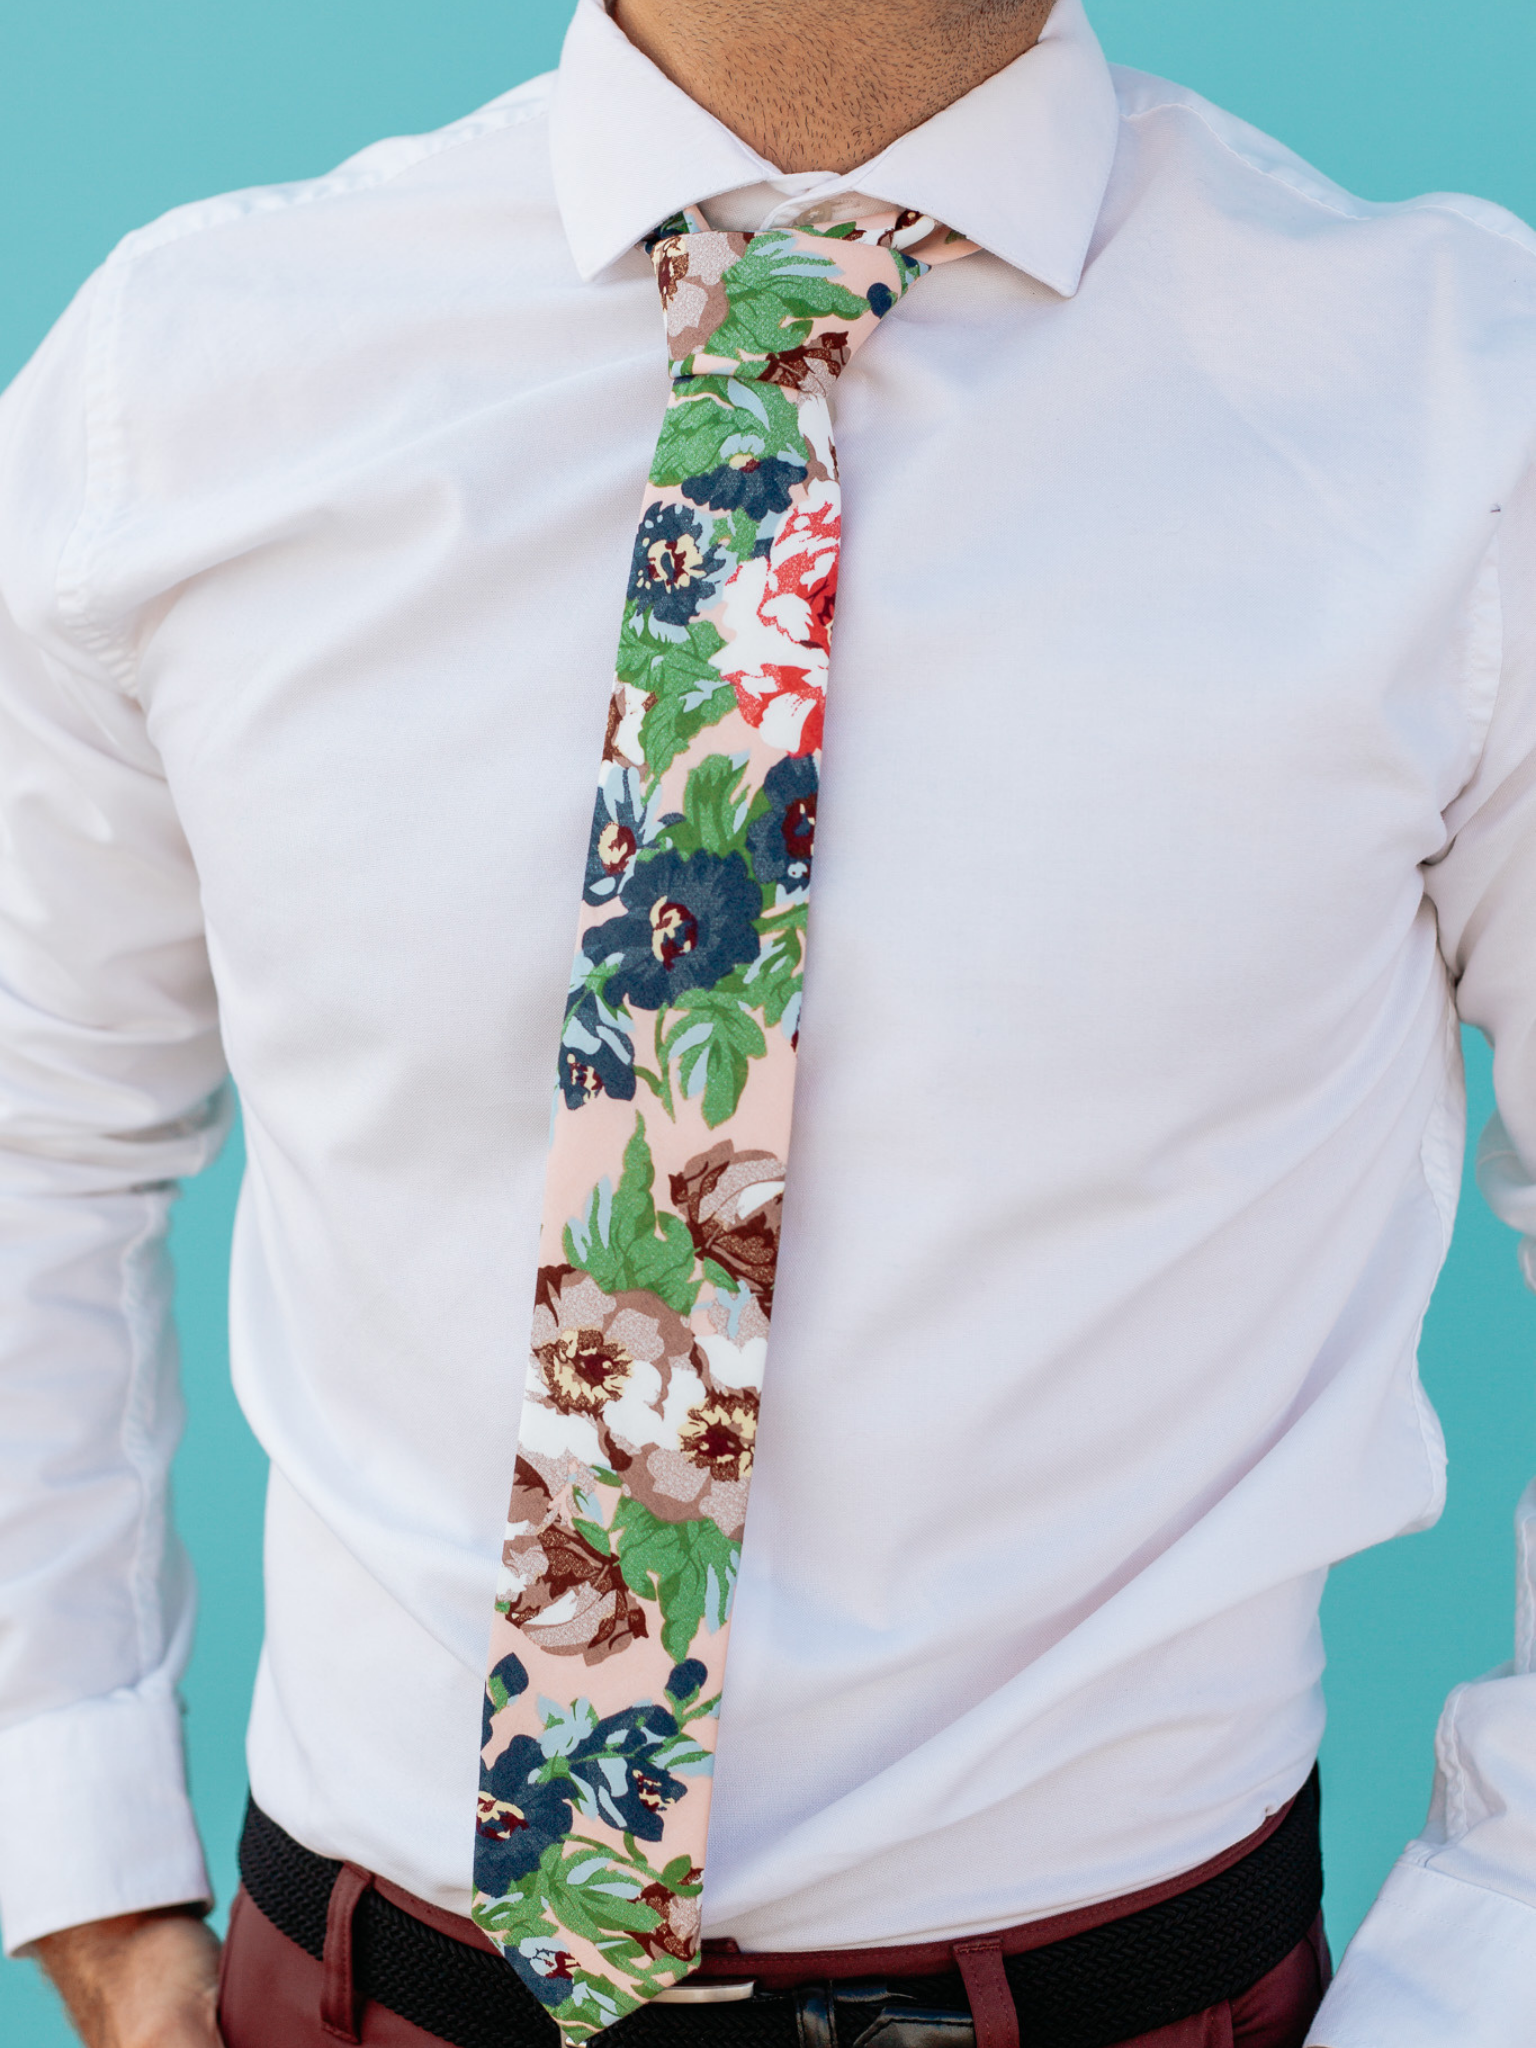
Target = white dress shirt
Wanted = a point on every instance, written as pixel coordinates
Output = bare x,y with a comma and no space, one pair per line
1180,785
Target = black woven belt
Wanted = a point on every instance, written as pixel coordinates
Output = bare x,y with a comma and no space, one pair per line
1091,1990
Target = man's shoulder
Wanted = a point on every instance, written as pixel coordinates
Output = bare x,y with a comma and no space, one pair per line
236,352
496,156
1258,163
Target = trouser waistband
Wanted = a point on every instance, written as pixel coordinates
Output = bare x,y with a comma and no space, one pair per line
1081,1980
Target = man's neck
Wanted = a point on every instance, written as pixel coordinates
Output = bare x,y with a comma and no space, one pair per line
824,85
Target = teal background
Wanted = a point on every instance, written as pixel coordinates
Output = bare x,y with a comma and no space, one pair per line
113,110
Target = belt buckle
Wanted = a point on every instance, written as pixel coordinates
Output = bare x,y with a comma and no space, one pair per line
694,1993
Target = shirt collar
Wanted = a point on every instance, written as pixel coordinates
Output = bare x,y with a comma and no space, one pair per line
1019,165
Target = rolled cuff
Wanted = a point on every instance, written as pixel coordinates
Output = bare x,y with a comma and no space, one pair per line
94,1815
1437,1963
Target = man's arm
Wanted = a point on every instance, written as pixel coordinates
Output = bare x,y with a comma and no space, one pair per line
1448,1953
111,1089
144,1980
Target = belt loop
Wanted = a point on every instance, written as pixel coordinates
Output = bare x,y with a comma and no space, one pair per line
338,1994
993,2012
813,2017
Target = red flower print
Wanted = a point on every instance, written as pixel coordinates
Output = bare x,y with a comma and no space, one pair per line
777,619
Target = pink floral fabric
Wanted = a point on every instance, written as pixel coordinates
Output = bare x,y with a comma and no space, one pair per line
672,1121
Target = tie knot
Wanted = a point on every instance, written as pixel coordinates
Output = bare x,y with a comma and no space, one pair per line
786,306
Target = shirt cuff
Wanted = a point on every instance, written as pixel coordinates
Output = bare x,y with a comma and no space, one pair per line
1437,1963
94,1815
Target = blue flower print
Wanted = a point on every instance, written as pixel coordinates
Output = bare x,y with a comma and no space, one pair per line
545,1967
507,1680
746,481
518,1816
623,823
617,1763
597,1057
673,571
686,1680
687,923
782,841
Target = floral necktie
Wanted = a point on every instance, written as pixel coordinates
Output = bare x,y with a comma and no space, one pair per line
650,1323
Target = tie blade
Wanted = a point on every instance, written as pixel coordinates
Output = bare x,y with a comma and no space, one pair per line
661,1229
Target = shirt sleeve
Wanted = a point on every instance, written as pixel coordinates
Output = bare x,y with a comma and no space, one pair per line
1447,1955
111,1088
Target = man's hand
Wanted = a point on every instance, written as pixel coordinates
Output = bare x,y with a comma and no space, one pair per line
145,1980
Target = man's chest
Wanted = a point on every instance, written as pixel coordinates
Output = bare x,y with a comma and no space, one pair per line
1151,676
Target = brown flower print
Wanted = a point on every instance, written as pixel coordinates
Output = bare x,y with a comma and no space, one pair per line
739,1322
670,256
720,1194
570,1599
678,1488
813,366
586,1343
626,713
719,1434
681,1921
692,292
904,220
583,1371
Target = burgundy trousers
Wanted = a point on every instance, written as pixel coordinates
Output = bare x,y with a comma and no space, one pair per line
271,1992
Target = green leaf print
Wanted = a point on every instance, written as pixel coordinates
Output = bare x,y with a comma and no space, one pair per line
688,1568
714,1041
520,1916
664,1266
670,725
595,1534
668,667
775,291
579,1892
689,693
738,534
625,1242
716,811
776,976
594,2003
695,428
590,1898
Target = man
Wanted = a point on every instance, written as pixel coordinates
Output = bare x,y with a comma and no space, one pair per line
1180,785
